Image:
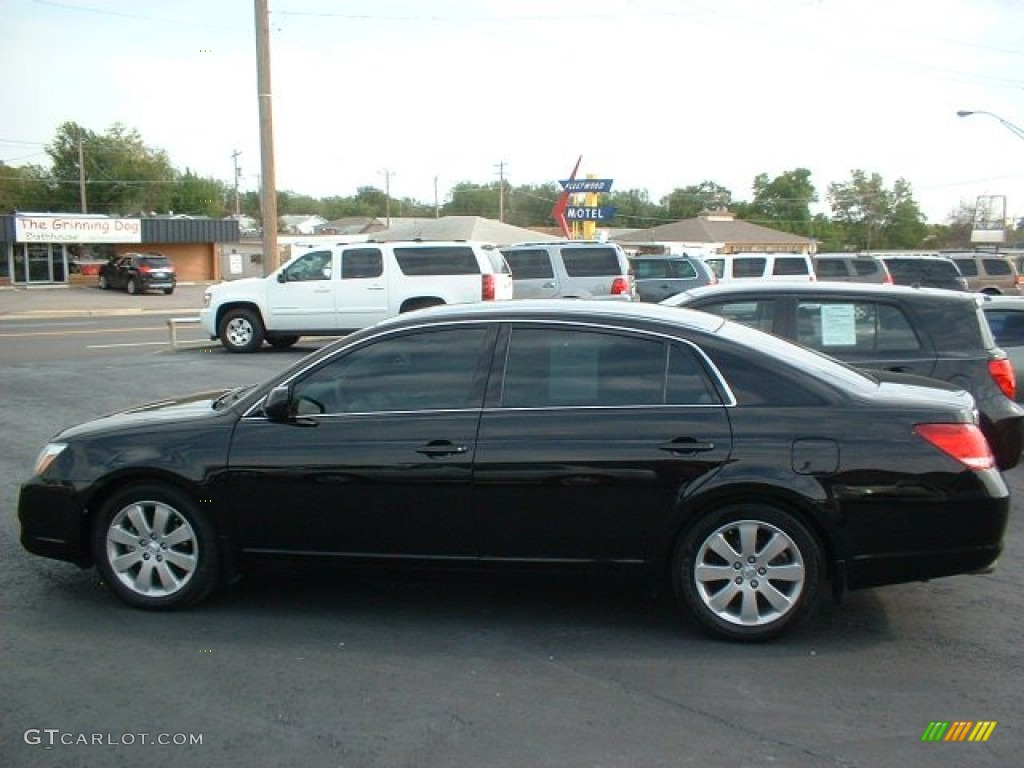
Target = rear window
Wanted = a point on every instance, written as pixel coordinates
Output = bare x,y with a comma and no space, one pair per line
154,261
790,266
591,262
529,265
865,267
434,260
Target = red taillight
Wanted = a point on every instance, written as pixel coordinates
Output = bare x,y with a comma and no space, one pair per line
144,269
963,442
487,288
1001,371
620,285
887,280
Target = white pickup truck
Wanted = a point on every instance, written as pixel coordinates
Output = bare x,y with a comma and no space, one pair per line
338,289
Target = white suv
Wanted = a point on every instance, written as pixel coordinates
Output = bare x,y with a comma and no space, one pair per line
338,289
570,269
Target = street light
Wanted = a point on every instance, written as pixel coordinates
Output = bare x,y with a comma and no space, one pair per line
1018,132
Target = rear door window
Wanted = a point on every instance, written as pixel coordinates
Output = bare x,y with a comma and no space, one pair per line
757,313
860,327
785,265
749,266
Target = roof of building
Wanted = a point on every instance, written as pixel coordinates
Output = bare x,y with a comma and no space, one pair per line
712,228
461,228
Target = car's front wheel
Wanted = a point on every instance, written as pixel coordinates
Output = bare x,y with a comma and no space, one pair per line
103,282
155,548
747,571
241,330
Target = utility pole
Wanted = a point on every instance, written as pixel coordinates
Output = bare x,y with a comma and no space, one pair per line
238,172
501,190
81,174
437,205
268,183
387,195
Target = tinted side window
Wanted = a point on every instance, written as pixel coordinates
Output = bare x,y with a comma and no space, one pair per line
552,368
681,269
996,266
418,371
749,267
650,269
444,260
361,262
968,267
717,266
789,266
753,382
529,265
591,262
854,326
757,313
830,268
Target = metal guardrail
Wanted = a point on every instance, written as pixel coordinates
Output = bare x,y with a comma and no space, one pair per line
173,323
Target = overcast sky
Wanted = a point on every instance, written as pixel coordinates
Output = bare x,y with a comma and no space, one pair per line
655,94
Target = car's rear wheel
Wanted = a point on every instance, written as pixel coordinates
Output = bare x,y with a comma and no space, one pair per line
241,330
168,291
155,548
747,571
133,285
103,282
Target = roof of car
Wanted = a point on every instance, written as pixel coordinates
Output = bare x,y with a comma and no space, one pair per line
575,309
822,288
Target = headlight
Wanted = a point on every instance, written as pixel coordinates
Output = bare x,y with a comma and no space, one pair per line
46,456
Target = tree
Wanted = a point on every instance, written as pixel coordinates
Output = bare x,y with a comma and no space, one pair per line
784,202
689,202
634,209
873,217
25,188
468,199
198,196
122,174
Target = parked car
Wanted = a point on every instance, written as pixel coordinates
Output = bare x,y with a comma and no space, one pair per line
928,332
660,276
761,266
1005,315
328,291
137,272
745,471
988,273
851,268
924,271
570,269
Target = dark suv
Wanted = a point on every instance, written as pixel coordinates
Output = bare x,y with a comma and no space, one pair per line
135,272
928,332
924,271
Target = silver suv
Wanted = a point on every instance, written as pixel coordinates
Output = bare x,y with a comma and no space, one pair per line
569,269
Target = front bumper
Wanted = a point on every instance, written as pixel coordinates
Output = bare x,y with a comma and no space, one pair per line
53,523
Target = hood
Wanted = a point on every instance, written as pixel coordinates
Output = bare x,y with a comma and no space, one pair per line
183,409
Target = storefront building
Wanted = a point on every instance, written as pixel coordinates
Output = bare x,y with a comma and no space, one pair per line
54,249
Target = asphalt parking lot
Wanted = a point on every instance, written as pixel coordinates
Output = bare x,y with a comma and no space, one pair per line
339,670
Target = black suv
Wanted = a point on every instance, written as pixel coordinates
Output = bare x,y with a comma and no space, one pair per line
135,272
924,271
936,333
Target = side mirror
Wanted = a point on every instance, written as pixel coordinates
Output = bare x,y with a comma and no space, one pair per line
281,277
278,405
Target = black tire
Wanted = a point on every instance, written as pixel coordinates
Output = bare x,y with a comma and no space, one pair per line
154,547
168,291
724,572
133,286
282,342
104,283
241,330
413,304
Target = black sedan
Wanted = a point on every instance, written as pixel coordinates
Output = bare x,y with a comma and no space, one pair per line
745,471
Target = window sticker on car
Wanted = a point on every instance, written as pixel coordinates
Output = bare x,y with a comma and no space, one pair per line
838,325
